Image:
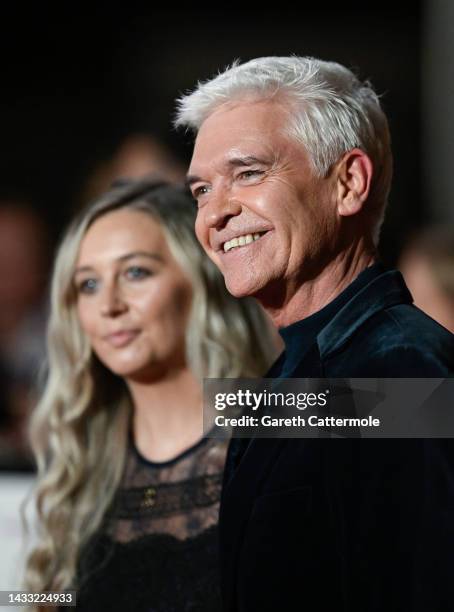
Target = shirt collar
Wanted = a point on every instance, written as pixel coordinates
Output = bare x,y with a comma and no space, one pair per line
306,331
372,290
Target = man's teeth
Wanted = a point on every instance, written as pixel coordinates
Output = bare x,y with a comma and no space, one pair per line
240,241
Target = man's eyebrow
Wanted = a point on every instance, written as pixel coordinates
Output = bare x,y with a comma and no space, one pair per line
122,258
233,162
246,160
191,179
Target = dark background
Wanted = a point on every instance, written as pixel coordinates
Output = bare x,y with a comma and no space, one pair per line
75,83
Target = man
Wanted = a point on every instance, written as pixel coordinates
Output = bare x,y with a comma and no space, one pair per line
291,171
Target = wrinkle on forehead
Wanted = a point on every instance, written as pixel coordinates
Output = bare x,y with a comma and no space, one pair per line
244,129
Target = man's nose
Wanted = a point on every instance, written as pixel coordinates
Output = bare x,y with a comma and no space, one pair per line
112,301
220,209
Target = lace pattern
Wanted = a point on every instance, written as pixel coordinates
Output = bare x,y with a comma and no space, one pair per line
158,548
178,497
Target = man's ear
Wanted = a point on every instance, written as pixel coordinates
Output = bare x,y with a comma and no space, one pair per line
354,175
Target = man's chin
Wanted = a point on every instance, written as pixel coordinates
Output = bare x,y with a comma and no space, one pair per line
240,288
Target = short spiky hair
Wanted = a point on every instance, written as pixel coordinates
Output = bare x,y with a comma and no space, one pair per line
331,112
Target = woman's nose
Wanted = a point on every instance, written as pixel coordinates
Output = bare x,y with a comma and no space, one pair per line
113,303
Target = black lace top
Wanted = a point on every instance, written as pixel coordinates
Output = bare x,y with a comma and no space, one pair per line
158,550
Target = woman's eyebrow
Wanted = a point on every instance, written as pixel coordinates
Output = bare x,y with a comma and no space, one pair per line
151,255
126,257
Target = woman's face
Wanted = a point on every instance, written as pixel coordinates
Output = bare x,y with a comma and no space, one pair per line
132,297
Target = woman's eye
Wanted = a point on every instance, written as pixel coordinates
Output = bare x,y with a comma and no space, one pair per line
137,273
87,286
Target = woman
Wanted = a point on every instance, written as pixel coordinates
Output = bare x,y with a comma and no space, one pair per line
128,492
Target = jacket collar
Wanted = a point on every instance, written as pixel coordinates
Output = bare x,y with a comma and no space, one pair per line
385,290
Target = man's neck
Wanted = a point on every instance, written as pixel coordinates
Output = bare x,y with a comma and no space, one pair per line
311,295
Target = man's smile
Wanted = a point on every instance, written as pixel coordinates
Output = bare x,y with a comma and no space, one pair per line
242,240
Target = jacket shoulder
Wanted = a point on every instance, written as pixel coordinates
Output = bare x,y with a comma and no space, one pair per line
399,341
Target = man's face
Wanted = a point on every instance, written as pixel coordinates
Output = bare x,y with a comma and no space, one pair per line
264,217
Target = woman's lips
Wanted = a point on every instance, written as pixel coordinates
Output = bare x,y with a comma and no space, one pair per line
121,338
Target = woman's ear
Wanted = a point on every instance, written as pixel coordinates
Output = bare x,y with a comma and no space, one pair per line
354,175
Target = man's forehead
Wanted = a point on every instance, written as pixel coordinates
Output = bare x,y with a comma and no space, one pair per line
244,132
244,116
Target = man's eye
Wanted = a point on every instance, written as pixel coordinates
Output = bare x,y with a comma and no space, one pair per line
199,191
250,173
137,272
87,286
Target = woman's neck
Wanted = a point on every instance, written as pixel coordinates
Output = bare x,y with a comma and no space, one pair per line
167,416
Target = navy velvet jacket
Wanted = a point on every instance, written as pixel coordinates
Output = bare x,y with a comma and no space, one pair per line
346,525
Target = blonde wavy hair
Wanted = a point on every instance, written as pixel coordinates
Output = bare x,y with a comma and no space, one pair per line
79,429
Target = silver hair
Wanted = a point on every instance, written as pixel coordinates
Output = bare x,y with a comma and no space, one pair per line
331,112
